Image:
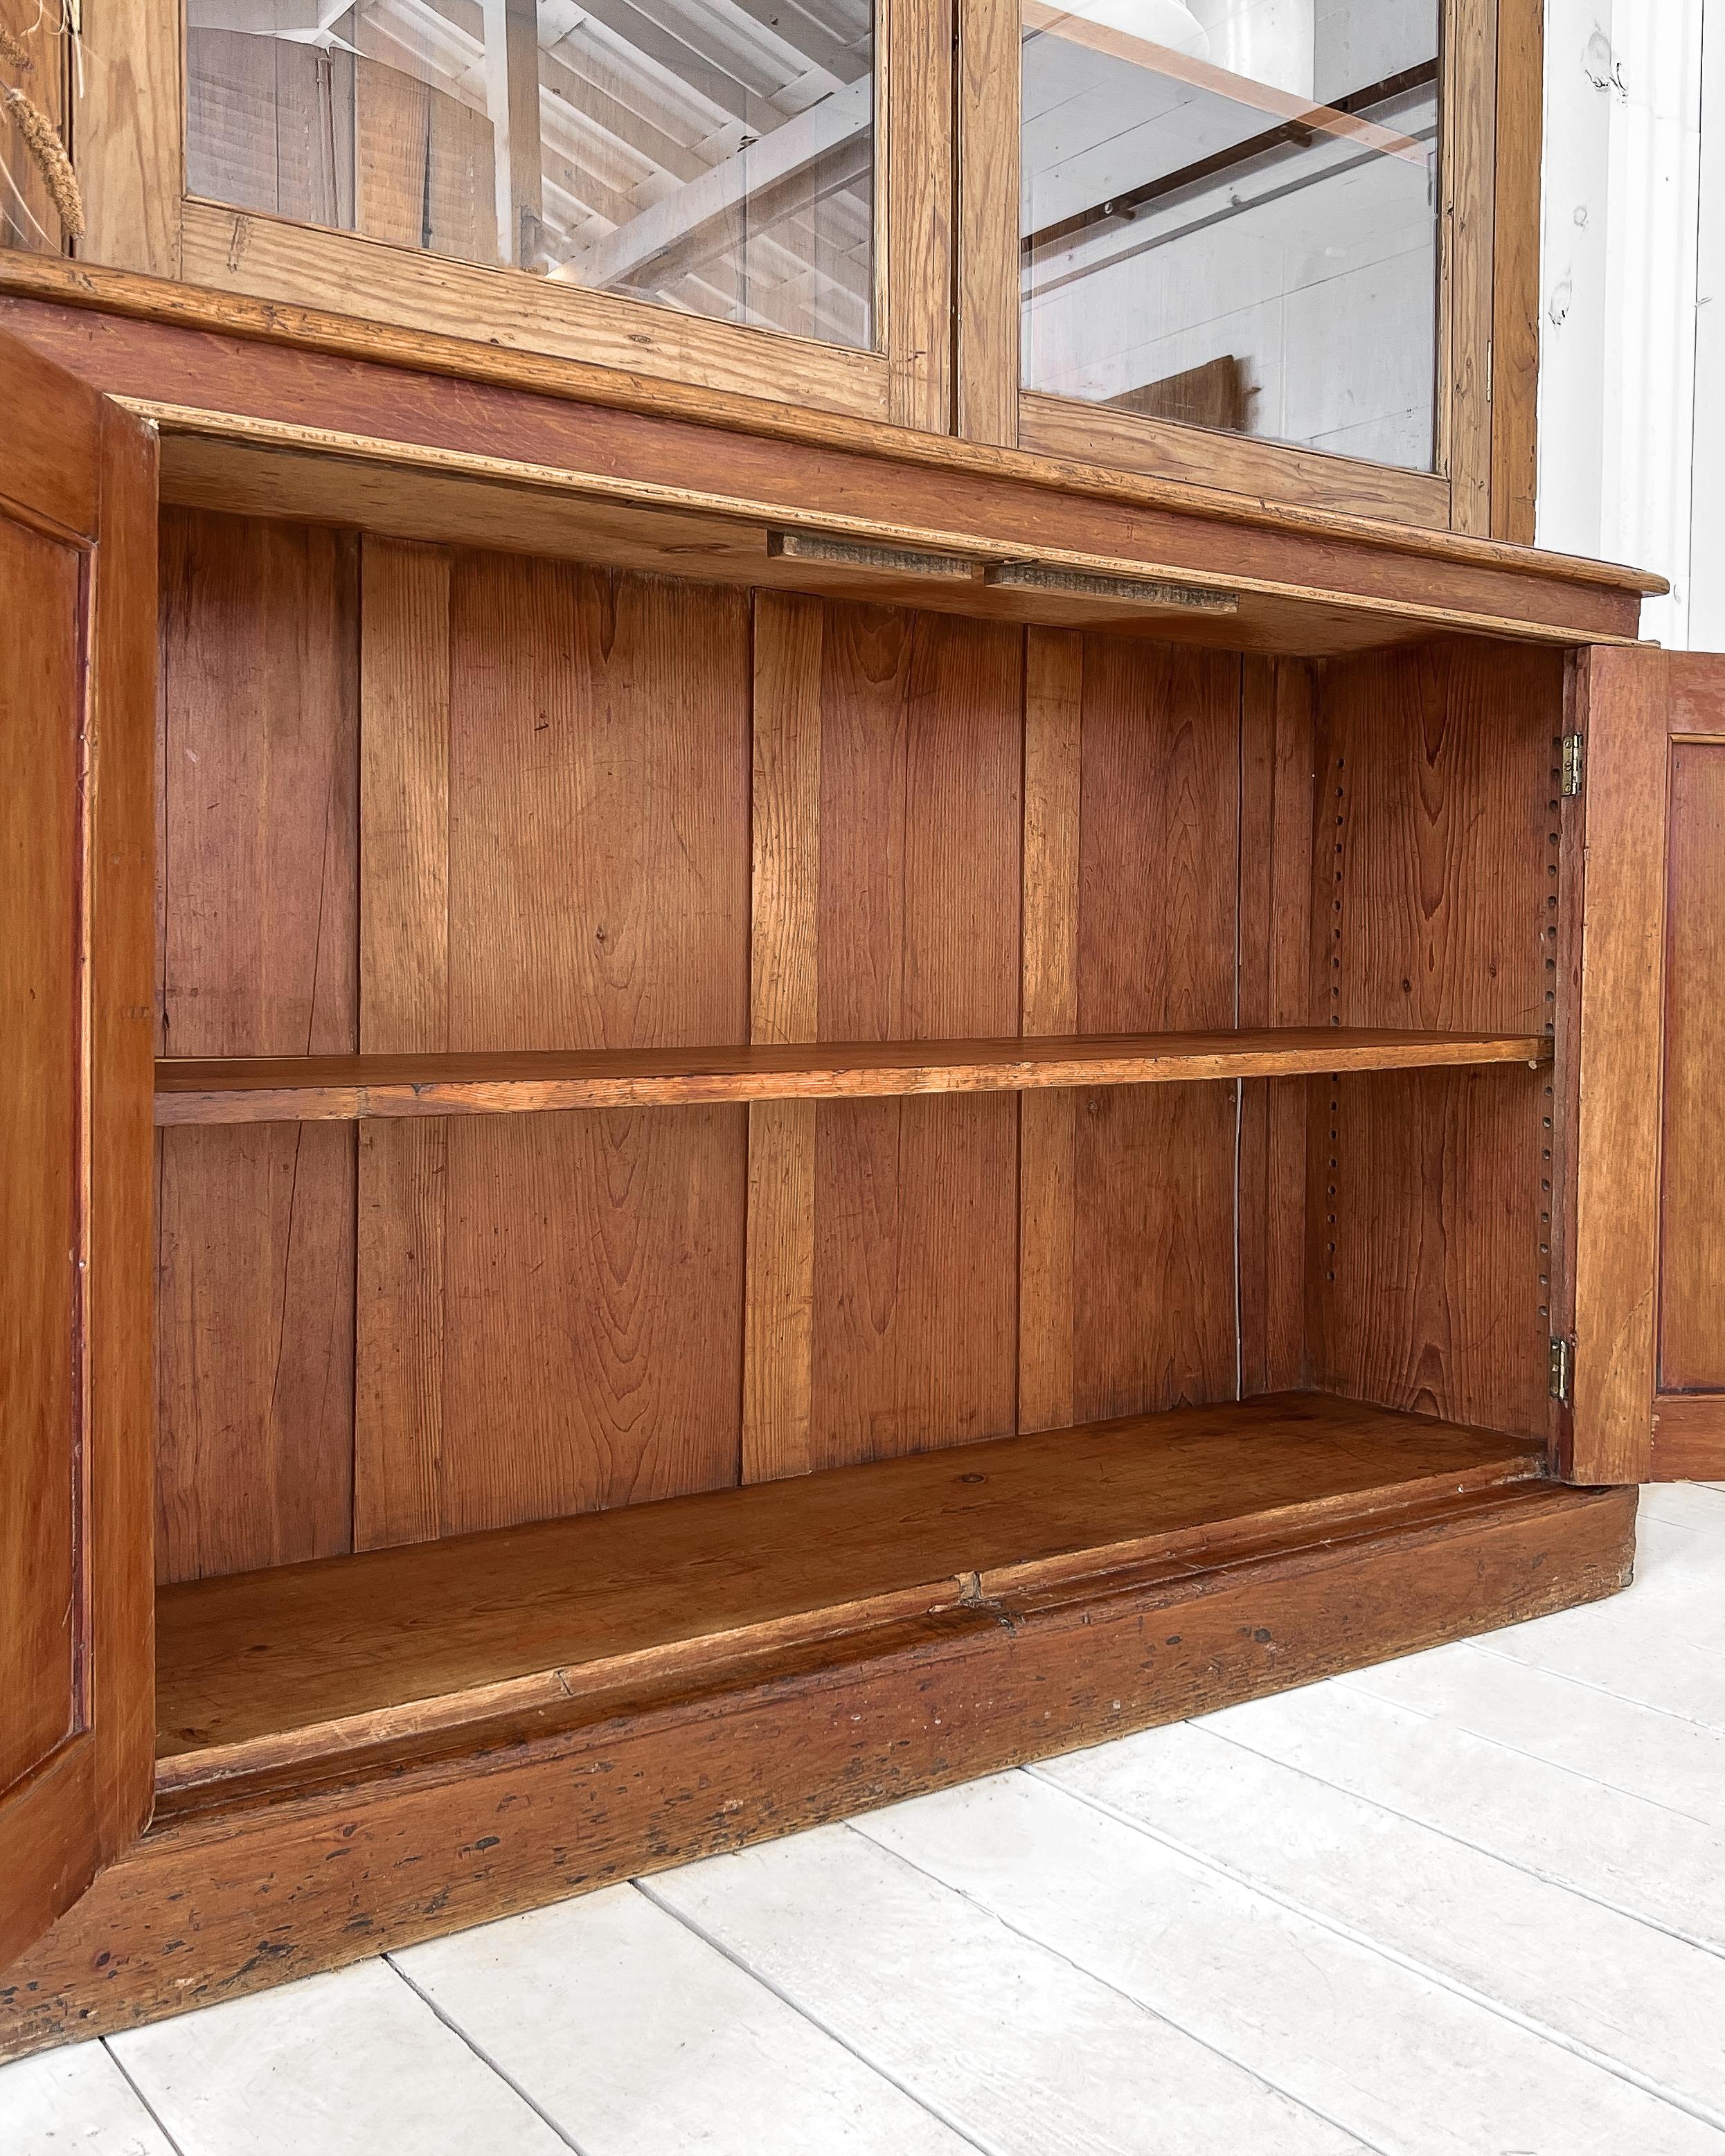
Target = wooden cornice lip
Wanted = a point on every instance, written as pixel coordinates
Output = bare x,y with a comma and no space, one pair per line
128,294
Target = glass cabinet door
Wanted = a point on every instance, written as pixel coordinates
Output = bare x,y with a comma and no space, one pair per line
716,156
1230,217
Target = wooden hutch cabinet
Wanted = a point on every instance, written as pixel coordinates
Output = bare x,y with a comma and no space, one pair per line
741,1072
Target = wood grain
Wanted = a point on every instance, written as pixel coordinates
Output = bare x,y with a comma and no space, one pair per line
921,833
404,799
236,253
1515,272
1688,1437
1466,384
404,1005
598,880
1153,1266
255,1327
1048,1136
778,1316
1276,901
810,1735
1625,715
913,141
1066,428
121,1457
315,1088
77,683
1692,1234
40,995
212,354
331,1647
1428,1279
986,314
128,134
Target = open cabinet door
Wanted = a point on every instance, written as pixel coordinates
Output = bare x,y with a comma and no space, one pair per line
1647,1390
78,523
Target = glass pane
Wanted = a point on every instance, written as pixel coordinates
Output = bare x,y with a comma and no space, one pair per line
716,156
1229,216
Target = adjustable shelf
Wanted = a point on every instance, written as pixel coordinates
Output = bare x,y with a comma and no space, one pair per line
343,1088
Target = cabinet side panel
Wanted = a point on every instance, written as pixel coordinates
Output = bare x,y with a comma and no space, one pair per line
1153,1267
914,1299
1691,1344
255,1229
598,897
1435,883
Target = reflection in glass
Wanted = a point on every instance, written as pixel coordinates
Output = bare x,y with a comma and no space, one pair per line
716,156
1229,216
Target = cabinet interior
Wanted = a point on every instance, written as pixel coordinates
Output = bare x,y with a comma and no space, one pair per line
825,1306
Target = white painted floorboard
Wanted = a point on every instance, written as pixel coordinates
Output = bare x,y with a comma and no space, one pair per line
1468,1904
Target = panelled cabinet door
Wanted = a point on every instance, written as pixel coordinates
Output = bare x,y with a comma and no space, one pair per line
1647,1387
77,713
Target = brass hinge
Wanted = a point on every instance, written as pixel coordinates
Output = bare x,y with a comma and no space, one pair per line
1562,1370
1572,765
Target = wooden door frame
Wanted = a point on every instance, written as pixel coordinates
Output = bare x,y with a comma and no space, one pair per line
87,483
128,133
1631,708
1488,299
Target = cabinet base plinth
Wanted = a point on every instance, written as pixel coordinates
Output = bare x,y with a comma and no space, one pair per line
224,1899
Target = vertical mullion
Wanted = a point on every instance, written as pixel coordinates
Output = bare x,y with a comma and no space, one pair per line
989,103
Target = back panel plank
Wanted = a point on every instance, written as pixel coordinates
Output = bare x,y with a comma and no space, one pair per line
1047,1124
1428,1195
1154,1311
914,1290
563,1296
778,1335
254,1308
404,1006
1276,794
1692,1217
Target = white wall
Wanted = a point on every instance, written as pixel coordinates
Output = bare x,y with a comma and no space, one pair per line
1632,334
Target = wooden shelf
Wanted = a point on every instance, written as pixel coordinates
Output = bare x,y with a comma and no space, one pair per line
266,1671
341,1088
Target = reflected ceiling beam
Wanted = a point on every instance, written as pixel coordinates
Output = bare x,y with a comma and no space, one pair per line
803,142
803,34
1217,82
719,82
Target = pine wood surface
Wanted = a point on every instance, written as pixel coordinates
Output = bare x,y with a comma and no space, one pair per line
120,1458
1152,1314
651,1778
1276,815
245,1660
77,704
1689,1432
39,993
1436,854
1069,429
1515,267
1692,1354
311,1089
1625,718
917,930
255,1227
259,467
568,774
191,362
